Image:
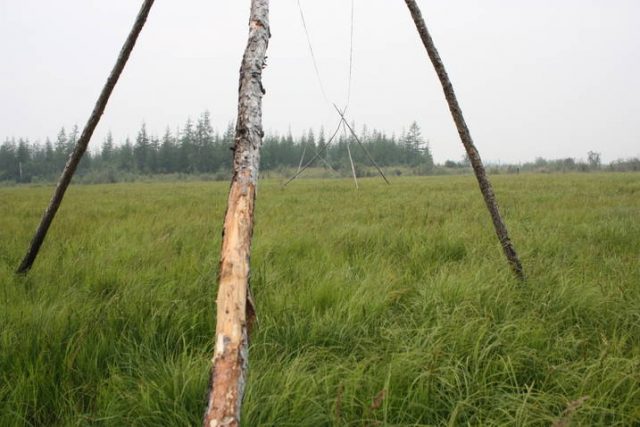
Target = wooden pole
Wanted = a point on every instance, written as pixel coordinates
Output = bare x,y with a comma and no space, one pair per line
355,136
235,310
353,168
83,141
467,141
304,150
318,154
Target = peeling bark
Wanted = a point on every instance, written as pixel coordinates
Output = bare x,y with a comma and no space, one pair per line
83,141
467,141
235,311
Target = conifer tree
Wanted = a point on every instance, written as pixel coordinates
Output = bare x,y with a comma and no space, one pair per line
106,153
141,150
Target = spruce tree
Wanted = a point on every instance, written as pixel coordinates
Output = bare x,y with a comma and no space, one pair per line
141,150
167,158
61,149
106,153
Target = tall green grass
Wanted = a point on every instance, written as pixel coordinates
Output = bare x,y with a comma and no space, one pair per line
391,305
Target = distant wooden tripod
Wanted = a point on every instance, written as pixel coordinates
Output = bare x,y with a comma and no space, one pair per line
344,125
235,309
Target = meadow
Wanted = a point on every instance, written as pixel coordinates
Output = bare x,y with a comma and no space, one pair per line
387,306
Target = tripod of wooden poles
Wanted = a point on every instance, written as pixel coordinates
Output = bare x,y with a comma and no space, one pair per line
235,308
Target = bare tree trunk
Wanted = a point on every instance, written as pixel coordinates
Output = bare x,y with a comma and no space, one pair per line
235,310
467,141
83,142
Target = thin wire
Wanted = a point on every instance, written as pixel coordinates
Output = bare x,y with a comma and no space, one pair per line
342,112
313,56
315,62
350,60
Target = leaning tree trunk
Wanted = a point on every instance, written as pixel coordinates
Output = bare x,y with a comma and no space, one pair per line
235,310
83,141
467,141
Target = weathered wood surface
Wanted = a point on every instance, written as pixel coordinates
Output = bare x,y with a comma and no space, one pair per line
467,141
83,141
235,310
353,168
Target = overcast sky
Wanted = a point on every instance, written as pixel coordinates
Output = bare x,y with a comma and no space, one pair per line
551,78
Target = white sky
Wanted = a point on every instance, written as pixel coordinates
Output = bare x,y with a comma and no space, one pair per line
551,78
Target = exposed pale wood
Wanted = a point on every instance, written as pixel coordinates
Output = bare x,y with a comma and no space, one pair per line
83,141
235,309
353,168
304,150
467,141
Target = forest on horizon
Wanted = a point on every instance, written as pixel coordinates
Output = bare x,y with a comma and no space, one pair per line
197,149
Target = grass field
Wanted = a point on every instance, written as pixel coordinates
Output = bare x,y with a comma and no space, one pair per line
388,306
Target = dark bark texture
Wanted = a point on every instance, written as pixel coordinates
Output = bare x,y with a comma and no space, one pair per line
235,311
467,141
83,141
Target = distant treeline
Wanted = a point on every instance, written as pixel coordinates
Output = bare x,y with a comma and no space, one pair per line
593,163
569,164
198,149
